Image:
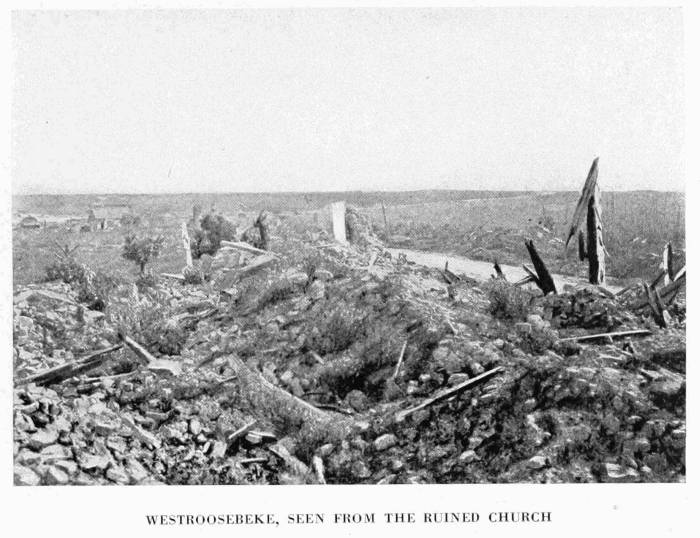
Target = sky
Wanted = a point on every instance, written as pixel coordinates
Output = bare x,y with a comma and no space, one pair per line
332,100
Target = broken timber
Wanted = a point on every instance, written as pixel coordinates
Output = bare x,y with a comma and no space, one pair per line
449,393
636,332
544,278
71,369
245,247
152,363
667,293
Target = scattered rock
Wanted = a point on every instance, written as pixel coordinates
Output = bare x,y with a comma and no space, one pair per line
384,442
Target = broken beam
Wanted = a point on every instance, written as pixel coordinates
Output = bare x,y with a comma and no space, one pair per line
636,332
449,393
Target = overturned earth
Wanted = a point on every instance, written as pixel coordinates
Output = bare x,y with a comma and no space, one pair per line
337,364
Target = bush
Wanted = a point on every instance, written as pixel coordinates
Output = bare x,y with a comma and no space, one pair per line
142,250
146,281
337,330
68,271
193,275
150,324
94,289
207,238
507,301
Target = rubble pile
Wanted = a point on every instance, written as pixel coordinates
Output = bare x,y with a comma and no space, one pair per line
335,363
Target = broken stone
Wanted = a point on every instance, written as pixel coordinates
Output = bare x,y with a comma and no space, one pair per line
384,442
43,438
89,462
218,449
24,476
55,476
56,451
360,470
523,328
456,379
117,474
136,471
357,400
69,466
195,427
468,456
537,462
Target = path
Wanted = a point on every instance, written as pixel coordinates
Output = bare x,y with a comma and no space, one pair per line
478,270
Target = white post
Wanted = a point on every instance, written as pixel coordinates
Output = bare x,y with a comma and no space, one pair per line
186,245
338,216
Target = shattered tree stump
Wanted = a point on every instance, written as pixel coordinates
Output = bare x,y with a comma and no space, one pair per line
544,278
596,248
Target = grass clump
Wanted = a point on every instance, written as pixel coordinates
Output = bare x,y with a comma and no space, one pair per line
507,301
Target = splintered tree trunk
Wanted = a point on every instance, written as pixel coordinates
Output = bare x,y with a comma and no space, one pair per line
581,246
667,264
596,248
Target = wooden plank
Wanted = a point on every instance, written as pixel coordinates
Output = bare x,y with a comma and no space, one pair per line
636,332
400,361
71,369
449,393
665,293
245,247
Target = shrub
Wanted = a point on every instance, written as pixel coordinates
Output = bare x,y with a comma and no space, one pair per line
146,281
141,250
193,275
68,271
507,301
337,330
65,268
150,324
538,340
94,289
207,238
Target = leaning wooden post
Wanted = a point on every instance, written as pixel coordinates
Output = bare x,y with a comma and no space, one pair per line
596,248
186,245
338,218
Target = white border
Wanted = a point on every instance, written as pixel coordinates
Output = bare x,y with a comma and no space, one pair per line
577,510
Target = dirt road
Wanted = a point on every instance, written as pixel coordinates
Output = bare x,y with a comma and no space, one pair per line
478,269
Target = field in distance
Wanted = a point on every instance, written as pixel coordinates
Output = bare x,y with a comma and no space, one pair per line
484,225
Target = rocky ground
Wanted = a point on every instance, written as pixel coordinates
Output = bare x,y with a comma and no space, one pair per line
307,371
